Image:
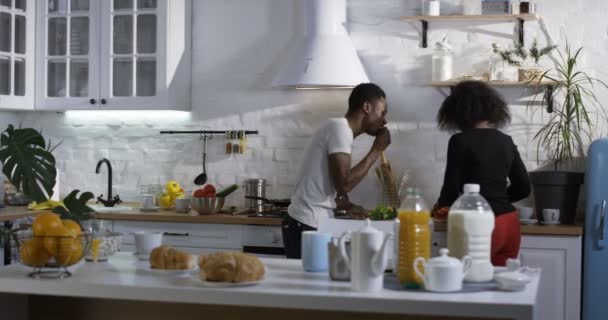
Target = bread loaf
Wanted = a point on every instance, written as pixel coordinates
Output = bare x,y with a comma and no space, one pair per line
166,257
230,267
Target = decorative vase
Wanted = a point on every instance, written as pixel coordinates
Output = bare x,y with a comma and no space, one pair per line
527,74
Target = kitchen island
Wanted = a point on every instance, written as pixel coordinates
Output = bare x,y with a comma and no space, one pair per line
123,288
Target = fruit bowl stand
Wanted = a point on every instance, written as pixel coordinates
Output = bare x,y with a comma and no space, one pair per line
50,256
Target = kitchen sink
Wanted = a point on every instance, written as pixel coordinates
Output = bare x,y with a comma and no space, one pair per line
102,209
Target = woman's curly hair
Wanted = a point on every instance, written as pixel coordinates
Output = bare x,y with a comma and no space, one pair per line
470,103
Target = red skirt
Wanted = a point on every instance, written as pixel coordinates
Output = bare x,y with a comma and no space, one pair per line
506,238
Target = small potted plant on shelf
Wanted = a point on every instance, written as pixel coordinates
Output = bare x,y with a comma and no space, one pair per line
565,136
526,60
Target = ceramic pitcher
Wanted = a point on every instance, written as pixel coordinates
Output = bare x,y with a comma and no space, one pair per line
368,259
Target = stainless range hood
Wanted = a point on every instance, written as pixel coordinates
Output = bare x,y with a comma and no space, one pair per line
325,58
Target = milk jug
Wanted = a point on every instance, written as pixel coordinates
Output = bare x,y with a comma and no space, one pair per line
470,226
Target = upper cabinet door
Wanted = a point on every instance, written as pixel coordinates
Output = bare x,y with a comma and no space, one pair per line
133,54
17,54
114,55
68,55
145,55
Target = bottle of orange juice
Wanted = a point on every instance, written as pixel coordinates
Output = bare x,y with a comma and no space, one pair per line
414,236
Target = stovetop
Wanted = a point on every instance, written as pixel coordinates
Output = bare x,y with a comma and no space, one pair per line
278,213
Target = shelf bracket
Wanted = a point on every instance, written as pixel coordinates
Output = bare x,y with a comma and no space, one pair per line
549,98
520,31
425,29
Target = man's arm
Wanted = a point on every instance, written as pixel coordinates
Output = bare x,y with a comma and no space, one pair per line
346,178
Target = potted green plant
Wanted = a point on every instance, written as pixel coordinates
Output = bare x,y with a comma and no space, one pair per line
571,126
28,163
526,60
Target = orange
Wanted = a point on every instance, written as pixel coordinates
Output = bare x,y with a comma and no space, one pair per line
32,253
73,226
70,251
44,222
55,237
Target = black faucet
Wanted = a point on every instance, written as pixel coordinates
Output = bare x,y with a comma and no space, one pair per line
110,202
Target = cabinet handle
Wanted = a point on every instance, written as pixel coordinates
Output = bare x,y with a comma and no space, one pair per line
176,234
104,101
602,220
92,101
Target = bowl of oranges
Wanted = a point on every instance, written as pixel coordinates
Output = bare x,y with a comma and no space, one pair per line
52,245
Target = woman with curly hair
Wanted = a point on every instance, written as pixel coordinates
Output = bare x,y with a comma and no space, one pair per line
479,153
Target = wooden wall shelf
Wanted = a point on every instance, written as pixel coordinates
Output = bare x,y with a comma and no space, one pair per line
549,87
424,20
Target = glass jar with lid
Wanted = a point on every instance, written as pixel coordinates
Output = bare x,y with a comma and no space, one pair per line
442,61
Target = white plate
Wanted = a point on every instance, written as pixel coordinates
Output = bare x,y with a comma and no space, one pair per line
550,222
171,272
215,284
142,256
528,221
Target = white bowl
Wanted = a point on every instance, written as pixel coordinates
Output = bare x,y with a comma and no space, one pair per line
511,280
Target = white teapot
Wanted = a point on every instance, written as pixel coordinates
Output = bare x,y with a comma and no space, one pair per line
369,257
443,273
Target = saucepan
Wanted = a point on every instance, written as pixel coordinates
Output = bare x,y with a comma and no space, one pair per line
280,203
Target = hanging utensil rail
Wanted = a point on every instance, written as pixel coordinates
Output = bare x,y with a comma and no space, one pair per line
209,132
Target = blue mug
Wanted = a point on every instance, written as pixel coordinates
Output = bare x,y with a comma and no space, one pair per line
314,251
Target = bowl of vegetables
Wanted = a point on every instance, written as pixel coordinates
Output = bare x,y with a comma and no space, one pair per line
383,212
207,201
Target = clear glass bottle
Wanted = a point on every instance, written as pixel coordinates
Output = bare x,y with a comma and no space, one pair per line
496,65
442,61
470,226
414,236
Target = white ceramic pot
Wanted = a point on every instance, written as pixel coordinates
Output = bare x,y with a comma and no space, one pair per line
443,273
368,257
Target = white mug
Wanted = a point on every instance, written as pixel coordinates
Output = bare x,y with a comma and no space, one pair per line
551,215
145,242
147,201
182,205
525,213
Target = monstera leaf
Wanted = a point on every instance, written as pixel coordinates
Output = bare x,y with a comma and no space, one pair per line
75,207
28,162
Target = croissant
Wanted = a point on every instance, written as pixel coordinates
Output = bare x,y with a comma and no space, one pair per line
166,257
230,267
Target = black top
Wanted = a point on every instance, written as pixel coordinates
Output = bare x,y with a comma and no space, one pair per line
486,157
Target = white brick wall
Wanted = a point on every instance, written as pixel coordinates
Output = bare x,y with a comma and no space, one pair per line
239,46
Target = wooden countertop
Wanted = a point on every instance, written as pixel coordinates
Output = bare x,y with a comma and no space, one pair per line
192,217
18,212
534,229
13,213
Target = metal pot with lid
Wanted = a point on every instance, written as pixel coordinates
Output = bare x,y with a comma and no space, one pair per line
255,188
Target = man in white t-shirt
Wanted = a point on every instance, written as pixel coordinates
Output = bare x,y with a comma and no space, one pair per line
326,176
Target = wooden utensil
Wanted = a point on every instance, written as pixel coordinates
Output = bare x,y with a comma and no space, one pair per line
389,186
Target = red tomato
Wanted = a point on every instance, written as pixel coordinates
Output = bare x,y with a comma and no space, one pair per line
205,192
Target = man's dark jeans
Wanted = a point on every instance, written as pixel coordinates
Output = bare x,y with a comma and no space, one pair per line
292,237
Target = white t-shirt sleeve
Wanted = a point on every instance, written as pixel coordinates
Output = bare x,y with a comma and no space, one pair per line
340,139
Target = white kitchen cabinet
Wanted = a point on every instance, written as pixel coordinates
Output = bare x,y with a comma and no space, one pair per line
17,54
113,55
187,236
559,258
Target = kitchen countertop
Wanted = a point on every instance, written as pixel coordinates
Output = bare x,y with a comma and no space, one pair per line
533,229
17,212
285,286
12,213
